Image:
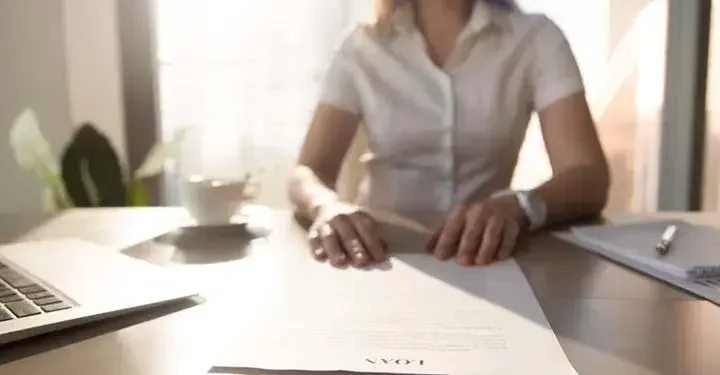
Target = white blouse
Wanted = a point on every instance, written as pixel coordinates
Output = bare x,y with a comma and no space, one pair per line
441,136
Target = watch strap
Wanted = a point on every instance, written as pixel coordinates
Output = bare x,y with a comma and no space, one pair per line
534,209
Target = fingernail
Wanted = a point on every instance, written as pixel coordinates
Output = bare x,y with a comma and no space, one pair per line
318,252
360,255
465,261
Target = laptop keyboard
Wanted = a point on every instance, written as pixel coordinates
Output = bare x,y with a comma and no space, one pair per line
21,297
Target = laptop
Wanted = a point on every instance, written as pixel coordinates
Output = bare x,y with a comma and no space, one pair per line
47,286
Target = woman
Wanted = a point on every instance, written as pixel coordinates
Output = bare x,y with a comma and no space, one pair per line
445,91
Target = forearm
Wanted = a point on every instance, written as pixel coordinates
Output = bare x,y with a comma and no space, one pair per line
308,191
575,193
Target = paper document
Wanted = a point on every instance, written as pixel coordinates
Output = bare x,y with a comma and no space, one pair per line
415,315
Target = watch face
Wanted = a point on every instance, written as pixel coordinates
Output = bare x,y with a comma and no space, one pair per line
535,203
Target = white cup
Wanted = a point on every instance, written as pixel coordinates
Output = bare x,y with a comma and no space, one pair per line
212,201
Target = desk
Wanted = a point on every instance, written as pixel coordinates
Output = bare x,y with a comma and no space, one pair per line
608,319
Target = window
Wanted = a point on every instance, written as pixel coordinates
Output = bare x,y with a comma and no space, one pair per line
620,48
244,75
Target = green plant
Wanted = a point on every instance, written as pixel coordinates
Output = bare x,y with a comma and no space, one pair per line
90,173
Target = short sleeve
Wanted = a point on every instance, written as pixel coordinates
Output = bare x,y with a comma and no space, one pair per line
338,87
555,72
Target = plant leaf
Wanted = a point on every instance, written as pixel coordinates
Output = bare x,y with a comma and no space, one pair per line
31,149
160,153
55,186
49,201
91,154
87,182
138,195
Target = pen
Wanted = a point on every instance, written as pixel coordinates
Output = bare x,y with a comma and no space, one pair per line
663,247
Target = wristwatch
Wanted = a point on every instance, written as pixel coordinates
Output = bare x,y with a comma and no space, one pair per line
532,205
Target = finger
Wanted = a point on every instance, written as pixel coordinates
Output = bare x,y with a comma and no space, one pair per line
509,240
472,238
490,243
350,240
432,243
450,236
366,227
316,246
332,246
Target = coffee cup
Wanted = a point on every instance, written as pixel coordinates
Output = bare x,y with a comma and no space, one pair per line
214,201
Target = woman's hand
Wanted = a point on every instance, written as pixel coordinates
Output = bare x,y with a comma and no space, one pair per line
479,233
344,234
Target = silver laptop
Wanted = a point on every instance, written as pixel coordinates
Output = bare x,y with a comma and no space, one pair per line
50,285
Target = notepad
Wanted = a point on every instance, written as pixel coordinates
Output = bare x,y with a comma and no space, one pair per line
693,262
694,253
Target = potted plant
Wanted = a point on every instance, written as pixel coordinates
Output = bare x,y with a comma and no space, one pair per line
90,173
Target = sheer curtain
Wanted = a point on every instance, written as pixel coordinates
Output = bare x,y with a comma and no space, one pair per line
243,75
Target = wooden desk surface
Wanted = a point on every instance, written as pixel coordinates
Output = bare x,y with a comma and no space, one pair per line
609,320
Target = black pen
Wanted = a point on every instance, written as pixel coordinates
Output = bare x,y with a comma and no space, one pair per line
663,247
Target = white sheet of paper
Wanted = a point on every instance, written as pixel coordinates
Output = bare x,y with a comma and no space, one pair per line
414,314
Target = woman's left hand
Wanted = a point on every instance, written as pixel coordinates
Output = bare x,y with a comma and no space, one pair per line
479,233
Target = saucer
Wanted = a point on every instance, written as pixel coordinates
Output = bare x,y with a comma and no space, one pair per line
255,219
237,221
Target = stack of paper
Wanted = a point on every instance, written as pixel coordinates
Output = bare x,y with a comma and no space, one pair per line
694,248
412,315
694,252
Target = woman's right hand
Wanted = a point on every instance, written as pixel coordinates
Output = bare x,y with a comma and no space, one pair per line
345,235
